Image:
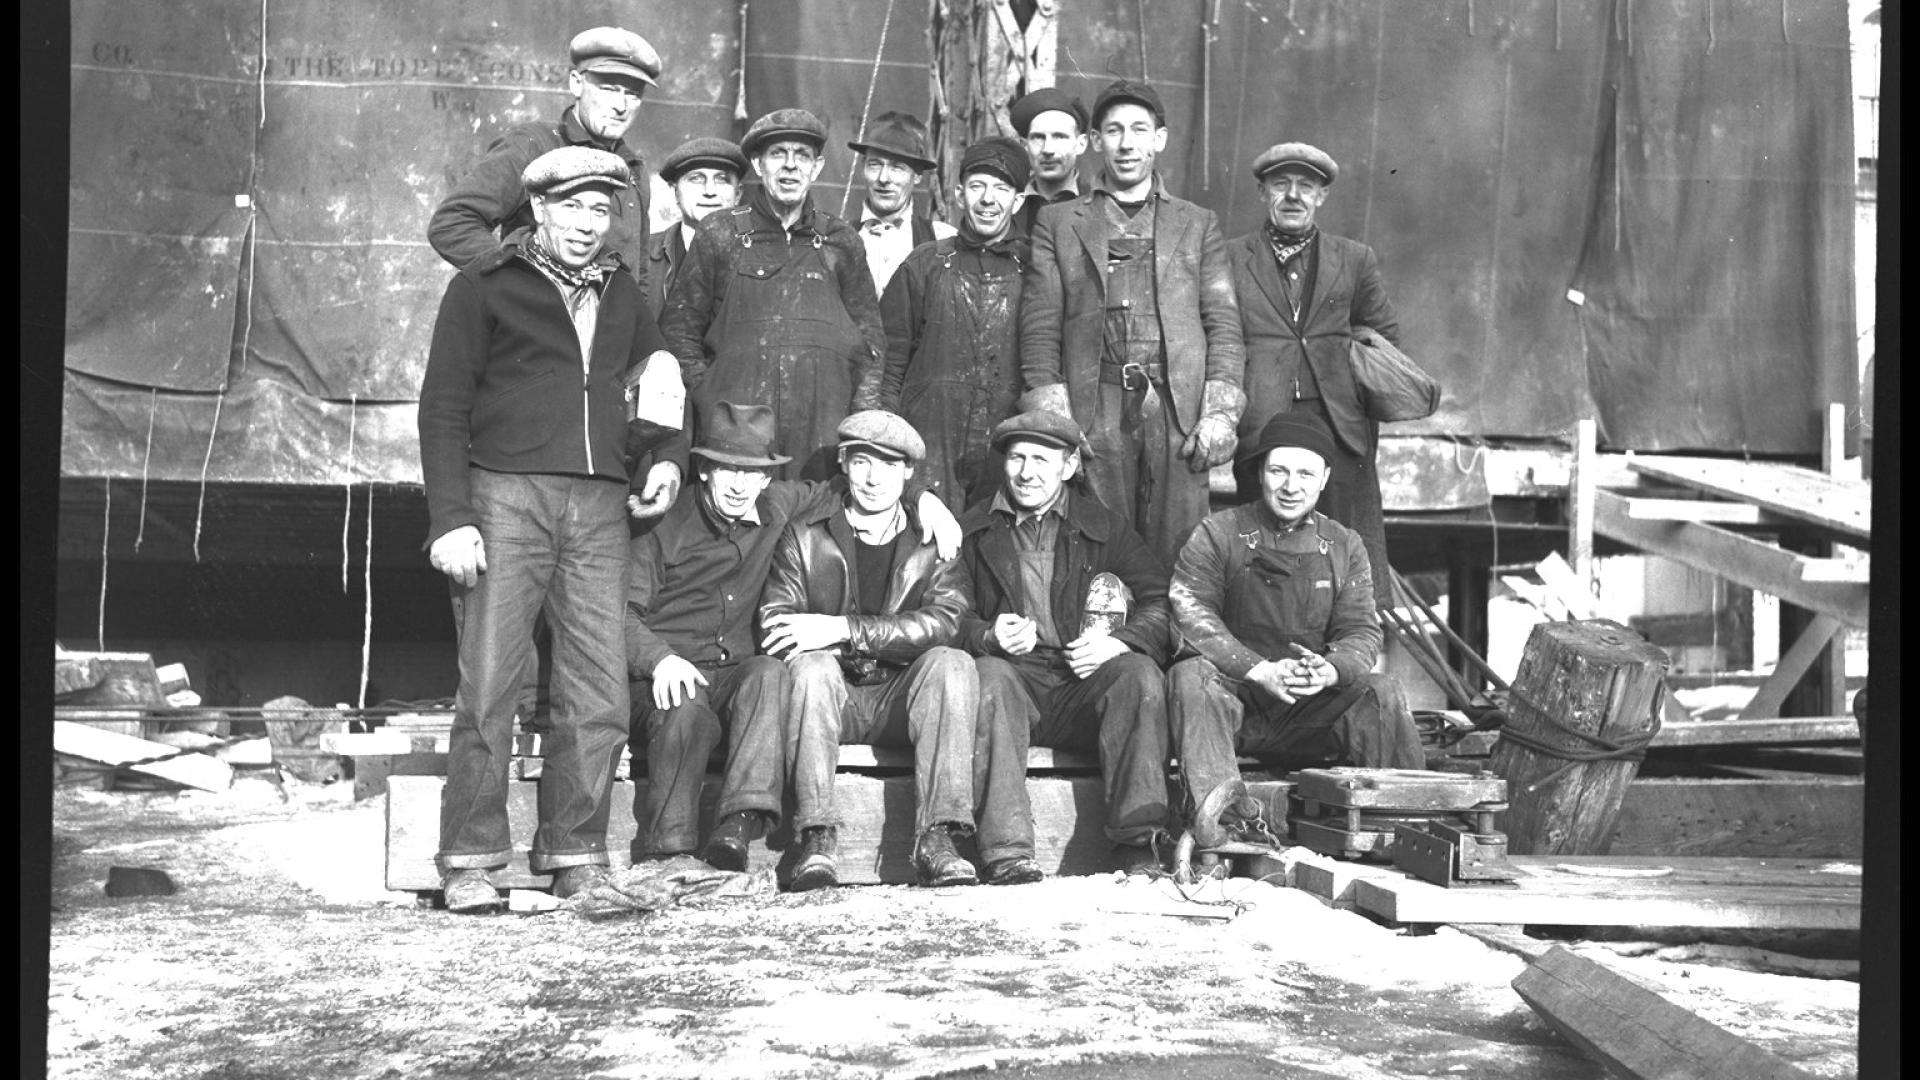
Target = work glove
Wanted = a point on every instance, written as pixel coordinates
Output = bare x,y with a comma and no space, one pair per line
1213,439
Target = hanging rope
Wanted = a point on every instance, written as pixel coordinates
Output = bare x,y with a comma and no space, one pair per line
873,79
1709,27
366,632
200,509
740,95
1140,11
146,463
346,519
106,527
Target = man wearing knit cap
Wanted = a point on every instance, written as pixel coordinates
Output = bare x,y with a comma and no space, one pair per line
893,158
953,332
1273,609
1284,272
1128,323
612,71
704,174
775,304
1054,128
865,614
522,431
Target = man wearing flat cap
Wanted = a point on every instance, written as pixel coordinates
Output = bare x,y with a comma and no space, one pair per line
893,158
953,331
865,613
612,70
1064,660
775,305
1128,323
705,176
1276,631
694,589
523,426
1054,127
1302,290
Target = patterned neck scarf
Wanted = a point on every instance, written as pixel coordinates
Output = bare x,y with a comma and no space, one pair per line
587,276
1286,245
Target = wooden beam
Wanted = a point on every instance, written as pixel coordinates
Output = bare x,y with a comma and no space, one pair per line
1806,650
1641,508
122,751
1737,558
1770,731
1842,507
1814,817
1634,1031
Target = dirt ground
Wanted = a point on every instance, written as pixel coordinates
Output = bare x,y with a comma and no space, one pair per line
282,955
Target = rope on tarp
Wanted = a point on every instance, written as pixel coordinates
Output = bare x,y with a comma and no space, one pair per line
366,631
146,463
106,529
873,80
740,97
200,508
346,519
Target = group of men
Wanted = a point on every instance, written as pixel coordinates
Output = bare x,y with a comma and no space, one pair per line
949,484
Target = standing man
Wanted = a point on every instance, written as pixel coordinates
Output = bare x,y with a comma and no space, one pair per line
1054,127
892,159
866,614
1302,291
705,176
1041,559
774,304
1273,606
521,430
612,69
1128,324
695,587
953,330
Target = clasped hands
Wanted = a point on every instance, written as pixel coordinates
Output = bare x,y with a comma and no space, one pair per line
1291,678
1018,635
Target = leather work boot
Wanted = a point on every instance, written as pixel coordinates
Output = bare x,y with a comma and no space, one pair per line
1013,870
1149,858
818,844
469,891
727,848
935,862
573,880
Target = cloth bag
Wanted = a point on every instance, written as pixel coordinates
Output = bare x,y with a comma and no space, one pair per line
1392,386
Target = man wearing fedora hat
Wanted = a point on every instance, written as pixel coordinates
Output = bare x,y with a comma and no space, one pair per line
1302,290
694,581
893,158
523,430
866,614
1045,566
1128,324
953,329
1275,623
705,175
775,304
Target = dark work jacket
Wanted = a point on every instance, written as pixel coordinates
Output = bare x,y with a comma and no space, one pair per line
664,256
1091,539
813,574
506,388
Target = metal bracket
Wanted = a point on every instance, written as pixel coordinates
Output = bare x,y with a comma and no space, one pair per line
1443,855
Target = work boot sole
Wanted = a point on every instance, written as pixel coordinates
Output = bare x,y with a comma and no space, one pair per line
1014,872
817,874
725,857
472,897
941,876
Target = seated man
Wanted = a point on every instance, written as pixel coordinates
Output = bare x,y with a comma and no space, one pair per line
1052,671
865,614
1273,611
694,586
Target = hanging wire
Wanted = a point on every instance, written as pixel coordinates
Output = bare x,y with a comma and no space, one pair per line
106,529
873,79
146,463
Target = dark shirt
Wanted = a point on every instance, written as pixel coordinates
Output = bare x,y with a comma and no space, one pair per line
873,566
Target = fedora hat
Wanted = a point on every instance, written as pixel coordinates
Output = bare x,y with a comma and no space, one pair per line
897,135
739,435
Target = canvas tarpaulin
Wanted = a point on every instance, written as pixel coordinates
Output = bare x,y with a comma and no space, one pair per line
251,183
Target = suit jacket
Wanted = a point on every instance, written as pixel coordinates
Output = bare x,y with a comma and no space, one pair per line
664,255
1347,292
1063,301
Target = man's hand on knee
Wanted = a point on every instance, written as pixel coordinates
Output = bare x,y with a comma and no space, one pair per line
675,680
1088,652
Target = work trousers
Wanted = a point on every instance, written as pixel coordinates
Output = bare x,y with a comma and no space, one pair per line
929,706
1215,718
1137,468
556,544
1120,710
745,703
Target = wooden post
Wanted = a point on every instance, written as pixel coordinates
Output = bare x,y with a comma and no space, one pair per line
1594,677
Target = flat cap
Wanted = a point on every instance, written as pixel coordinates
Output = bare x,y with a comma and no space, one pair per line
1125,90
706,152
1046,99
1043,426
1301,429
614,51
570,168
885,432
1000,155
784,124
897,135
1295,153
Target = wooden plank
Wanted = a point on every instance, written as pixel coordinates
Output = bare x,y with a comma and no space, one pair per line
1766,731
1722,513
1040,758
1806,649
1606,891
1809,818
1737,558
1840,506
118,750
1636,1032
1544,471
389,743
875,845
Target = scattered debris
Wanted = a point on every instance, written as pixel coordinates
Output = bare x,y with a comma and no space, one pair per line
138,881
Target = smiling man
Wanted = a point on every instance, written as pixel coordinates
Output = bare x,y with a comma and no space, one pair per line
953,329
893,158
775,303
1128,324
1276,600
